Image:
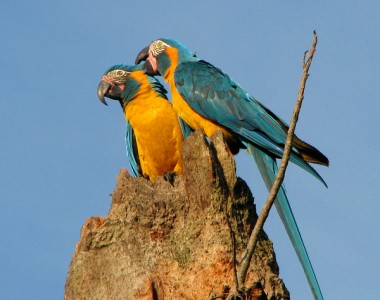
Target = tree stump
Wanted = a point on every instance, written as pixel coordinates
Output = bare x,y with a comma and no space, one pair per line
175,239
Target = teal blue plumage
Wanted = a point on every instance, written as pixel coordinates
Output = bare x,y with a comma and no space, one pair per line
268,169
217,97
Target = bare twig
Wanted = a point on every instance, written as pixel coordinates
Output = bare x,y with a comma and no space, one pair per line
247,256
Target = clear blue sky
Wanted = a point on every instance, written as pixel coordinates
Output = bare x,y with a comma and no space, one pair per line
61,149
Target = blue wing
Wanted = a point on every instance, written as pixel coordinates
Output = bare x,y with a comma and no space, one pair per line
131,149
214,95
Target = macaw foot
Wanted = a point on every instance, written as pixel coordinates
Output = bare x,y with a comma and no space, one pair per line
255,291
146,176
170,177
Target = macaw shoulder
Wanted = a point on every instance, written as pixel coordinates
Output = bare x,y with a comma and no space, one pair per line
211,92
202,72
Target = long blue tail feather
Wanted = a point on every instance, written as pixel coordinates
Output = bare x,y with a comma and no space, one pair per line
268,169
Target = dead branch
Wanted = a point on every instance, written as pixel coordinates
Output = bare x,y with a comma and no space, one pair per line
247,255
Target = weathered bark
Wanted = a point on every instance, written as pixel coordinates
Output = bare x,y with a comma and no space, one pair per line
175,240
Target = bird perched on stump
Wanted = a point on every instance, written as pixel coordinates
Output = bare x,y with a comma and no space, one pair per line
153,136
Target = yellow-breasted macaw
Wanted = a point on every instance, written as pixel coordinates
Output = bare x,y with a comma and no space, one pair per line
208,99
153,137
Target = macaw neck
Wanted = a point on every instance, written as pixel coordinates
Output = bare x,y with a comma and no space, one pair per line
173,57
172,62
138,89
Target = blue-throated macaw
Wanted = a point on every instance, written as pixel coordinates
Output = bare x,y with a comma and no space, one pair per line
153,137
208,99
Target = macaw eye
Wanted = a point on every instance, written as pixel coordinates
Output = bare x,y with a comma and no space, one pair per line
157,47
118,76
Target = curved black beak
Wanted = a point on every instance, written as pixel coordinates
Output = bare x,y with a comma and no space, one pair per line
103,89
143,55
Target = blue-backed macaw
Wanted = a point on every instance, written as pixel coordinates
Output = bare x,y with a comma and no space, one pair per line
153,137
208,99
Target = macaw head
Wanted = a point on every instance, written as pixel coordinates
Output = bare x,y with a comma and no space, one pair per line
117,83
158,55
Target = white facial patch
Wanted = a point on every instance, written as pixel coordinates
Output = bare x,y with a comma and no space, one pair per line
118,76
157,47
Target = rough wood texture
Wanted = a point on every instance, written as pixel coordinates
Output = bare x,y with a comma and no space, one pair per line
175,240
